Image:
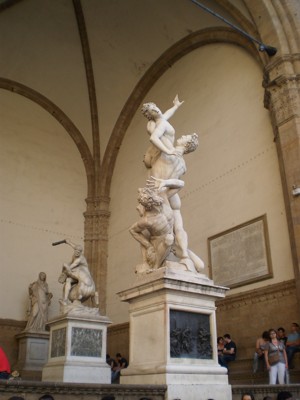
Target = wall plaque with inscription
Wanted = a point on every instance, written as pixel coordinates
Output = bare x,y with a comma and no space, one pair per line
86,342
190,335
241,255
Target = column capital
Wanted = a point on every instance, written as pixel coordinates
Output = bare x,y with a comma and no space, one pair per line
282,98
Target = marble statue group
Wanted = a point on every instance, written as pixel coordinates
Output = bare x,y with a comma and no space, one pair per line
78,287
160,230
78,283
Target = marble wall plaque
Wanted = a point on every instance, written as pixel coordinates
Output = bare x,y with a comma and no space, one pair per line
58,342
241,255
38,350
86,342
190,335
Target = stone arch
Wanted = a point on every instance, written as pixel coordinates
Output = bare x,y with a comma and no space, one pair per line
63,119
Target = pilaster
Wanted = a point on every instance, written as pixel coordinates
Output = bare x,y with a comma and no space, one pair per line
96,243
282,98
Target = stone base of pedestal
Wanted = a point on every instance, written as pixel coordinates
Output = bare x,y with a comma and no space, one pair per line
77,372
78,349
173,335
184,383
198,391
33,354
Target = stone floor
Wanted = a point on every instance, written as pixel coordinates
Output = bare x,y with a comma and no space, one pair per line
31,390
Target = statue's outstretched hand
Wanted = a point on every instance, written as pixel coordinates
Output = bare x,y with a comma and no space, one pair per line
177,102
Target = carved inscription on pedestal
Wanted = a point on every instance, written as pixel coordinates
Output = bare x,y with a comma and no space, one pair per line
190,335
86,342
58,343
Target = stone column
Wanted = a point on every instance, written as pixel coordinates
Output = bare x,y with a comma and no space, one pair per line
282,98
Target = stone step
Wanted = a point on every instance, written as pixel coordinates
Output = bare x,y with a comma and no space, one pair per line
241,373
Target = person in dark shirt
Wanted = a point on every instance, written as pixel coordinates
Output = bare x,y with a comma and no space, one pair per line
282,335
122,363
229,351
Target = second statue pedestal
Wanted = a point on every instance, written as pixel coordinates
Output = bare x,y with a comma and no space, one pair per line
77,351
33,354
173,335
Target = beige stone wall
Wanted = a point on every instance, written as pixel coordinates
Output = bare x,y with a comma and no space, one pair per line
118,340
42,191
233,176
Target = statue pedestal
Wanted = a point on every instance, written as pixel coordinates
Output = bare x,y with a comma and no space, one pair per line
33,354
173,335
77,350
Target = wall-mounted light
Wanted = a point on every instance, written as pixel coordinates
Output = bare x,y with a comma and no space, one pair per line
271,51
296,191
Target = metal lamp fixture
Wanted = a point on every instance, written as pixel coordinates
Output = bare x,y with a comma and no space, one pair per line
271,51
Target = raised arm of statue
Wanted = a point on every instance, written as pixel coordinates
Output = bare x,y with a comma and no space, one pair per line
77,261
73,245
162,134
176,104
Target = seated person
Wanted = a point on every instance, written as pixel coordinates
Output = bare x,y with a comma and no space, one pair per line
4,365
220,345
281,335
229,352
112,363
259,357
293,343
121,364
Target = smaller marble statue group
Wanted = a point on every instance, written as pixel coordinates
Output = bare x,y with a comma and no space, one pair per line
76,278
78,287
160,228
39,301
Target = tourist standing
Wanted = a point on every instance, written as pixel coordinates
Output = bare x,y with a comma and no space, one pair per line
276,359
